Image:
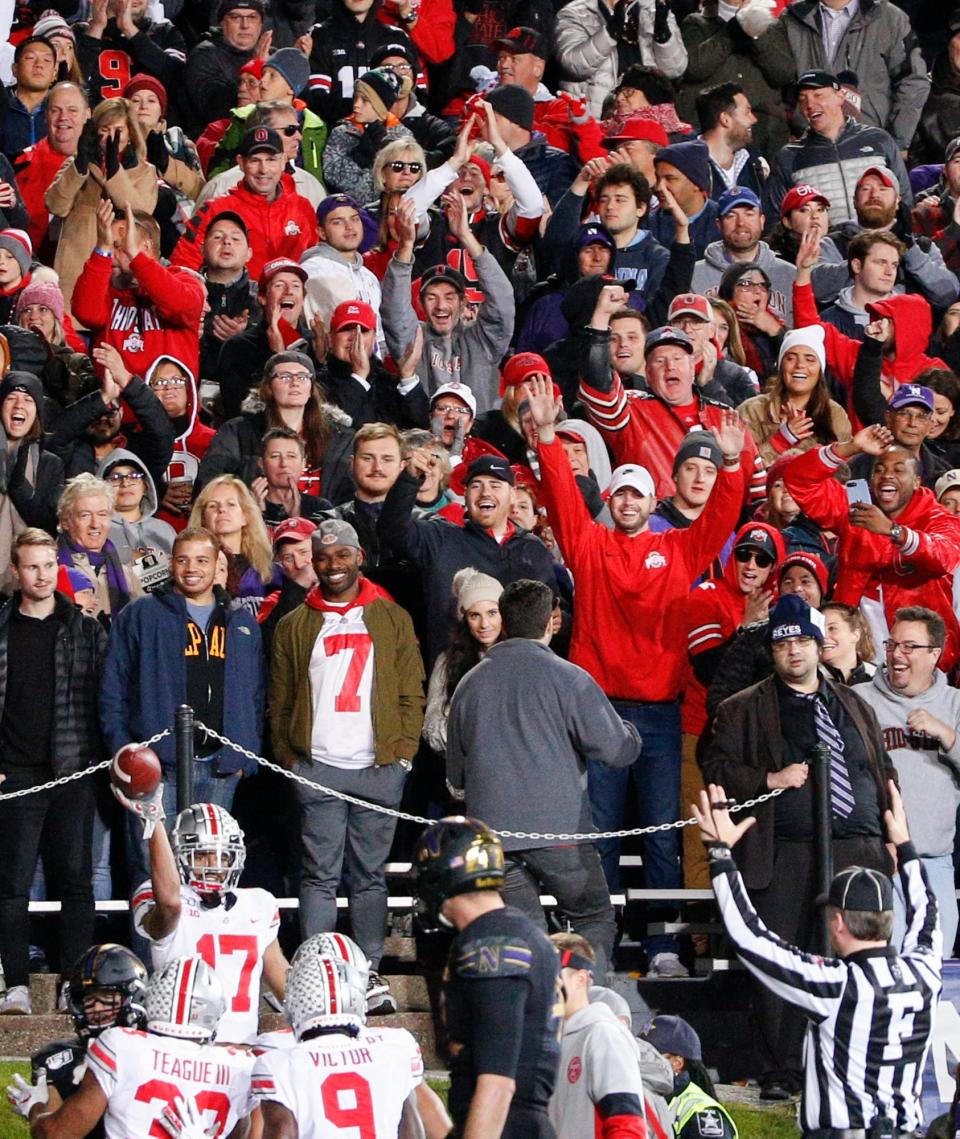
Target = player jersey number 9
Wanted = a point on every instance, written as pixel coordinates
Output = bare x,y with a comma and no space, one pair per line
168,1093
355,1109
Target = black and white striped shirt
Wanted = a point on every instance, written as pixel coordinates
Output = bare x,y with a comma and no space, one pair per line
871,1013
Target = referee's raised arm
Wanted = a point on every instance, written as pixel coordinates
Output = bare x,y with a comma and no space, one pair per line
870,1009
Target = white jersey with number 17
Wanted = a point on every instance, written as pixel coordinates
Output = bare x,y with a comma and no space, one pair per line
231,937
141,1072
341,1085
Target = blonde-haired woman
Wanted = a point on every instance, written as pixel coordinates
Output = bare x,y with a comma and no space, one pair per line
111,157
795,410
227,508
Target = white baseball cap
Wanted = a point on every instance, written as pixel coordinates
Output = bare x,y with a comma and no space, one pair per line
634,476
461,391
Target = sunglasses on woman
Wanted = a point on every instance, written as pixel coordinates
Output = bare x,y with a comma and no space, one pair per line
398,167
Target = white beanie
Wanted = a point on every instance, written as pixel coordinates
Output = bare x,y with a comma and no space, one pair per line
811,337
471,586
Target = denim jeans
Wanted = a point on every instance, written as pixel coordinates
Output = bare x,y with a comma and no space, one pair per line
940,875
575,878
655,779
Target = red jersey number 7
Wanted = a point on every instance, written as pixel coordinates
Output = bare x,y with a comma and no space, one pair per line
359,644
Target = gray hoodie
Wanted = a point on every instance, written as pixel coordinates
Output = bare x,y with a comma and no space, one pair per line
929,778
598,1058
471,353
716,260
150,534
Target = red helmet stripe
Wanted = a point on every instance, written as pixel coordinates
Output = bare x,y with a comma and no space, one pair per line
212,816
331,985
183,990
341,945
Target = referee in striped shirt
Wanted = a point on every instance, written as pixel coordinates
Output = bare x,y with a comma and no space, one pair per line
870,1009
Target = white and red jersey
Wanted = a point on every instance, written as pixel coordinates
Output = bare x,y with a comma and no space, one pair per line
341,684
338,1084
141,1072
231,937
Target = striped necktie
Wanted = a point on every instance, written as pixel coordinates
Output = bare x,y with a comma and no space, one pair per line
841,789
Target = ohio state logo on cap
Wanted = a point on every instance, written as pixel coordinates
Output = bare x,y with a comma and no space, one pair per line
758,536
328,540
260,134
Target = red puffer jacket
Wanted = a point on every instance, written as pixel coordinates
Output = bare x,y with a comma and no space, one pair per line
869,565
285,227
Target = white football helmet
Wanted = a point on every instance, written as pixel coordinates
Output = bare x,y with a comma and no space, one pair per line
206,829
323,990
185,999
338,945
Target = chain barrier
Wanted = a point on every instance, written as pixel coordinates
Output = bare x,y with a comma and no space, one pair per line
407,817
548,836
63,780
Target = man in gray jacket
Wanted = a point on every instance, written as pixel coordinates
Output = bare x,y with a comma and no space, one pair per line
452,349
919,715
740,221
530,773
872,38
832,153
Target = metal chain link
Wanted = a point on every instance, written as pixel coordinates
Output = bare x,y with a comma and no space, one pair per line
407,817
51,784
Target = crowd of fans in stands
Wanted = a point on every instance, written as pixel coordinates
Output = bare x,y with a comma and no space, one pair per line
346,315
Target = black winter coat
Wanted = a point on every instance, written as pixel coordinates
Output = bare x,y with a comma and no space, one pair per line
382,403
81,646
440,548
235,449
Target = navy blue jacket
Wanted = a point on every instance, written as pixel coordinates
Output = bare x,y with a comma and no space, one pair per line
19,128
145,678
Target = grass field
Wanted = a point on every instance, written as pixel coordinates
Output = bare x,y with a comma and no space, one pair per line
750,1123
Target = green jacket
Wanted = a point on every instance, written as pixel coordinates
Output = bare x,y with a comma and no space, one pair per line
311,147
397,683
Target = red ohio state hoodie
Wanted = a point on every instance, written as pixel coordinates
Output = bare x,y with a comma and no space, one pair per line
159,316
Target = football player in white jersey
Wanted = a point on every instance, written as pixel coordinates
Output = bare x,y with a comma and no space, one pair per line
192,904
148,1083
339,1073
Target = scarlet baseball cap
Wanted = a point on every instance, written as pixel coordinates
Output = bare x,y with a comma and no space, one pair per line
797,196
292,530
280,265
883,173
633,128
569,434
693,304
353,312
520,367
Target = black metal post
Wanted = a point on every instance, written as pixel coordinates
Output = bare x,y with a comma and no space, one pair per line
823,837
183,728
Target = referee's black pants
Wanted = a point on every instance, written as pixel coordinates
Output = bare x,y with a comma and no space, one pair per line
787,907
